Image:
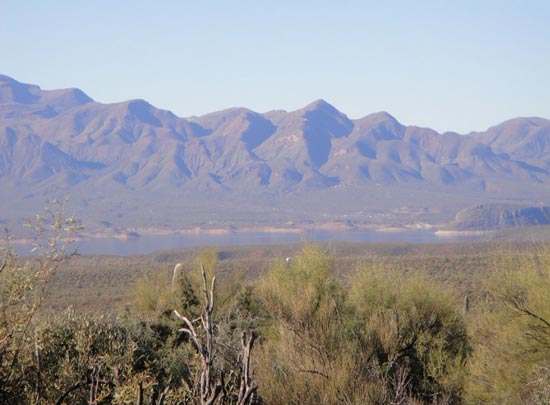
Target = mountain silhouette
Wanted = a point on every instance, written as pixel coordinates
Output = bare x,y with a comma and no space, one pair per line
62,141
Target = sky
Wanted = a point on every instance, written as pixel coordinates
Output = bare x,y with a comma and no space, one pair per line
450,65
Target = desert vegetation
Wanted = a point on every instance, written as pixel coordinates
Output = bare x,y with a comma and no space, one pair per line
449,325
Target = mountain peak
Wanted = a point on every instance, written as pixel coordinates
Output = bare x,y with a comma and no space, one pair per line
520,122
318,104
380,116
12,90
137,103
153,157
143,111
322,110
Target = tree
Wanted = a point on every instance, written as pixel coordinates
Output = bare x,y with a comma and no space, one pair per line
213,385
23,288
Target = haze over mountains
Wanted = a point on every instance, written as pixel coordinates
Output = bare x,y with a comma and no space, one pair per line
131,163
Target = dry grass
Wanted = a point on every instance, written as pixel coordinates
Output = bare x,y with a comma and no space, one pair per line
105,283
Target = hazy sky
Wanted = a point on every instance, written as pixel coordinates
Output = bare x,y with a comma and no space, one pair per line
450,65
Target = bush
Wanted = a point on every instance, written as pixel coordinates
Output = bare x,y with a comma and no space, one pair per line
23,288
512,332
413,331
86,359
391,339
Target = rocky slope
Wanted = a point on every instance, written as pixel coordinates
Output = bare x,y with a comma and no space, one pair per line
56,142
498,216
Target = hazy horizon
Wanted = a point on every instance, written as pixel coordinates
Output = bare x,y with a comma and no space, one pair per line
452,67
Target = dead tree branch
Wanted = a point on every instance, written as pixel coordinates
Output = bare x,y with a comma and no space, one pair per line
247,387
212,381
209,389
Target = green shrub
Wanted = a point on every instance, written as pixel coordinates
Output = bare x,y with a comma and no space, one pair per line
512,332
389,339
413,330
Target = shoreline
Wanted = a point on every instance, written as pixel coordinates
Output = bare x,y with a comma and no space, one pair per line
145,232
450,233
137,233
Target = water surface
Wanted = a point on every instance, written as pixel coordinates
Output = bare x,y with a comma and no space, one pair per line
150,243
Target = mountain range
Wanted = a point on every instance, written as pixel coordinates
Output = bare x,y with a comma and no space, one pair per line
131,163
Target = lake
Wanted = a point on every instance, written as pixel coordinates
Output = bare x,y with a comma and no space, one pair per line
147,244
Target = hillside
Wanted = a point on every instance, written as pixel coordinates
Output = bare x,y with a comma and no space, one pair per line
498,216
131,163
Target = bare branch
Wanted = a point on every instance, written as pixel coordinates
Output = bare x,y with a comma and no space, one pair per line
162,396
184,319
140,394
178,269
311,371
211,383
247,387
68,392
212,294
522,308
189,330
192,337
204,288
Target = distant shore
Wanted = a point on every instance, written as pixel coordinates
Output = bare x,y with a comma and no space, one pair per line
452,233
296,229
139,232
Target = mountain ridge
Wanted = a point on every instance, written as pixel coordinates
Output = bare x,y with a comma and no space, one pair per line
489,217
134,147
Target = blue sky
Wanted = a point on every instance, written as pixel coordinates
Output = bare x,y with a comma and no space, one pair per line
449,65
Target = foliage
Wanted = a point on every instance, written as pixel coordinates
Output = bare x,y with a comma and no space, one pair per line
392,339
83,359
512,332
99,284
220,379
153,296
23,288
413,330
388,332
306,340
